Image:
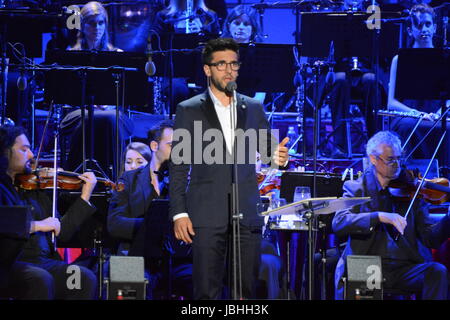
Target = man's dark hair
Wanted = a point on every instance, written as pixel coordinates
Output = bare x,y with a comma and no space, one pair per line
8,135
156,132
219,44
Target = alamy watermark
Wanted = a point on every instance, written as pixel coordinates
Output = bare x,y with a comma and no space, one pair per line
208,147
74,279
374,20
74,20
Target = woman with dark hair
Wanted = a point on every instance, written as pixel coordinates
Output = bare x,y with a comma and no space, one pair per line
242,25
421,27
136,155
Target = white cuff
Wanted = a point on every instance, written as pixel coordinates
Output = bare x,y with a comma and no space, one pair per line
180,215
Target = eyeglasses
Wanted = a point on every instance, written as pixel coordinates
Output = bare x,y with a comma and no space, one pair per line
391,163
222,65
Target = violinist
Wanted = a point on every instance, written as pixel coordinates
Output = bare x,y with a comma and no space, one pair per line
39,272
371,229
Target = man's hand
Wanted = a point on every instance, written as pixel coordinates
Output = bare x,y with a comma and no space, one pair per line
183,229
395,219
281,156
90,181
46,225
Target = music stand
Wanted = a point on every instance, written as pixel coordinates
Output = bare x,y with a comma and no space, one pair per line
310,209
92,77
266,67
348,31
422,74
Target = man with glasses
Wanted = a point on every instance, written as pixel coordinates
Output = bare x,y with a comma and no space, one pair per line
201,208
371,229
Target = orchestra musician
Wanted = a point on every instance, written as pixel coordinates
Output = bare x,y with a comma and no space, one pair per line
137,154
421,26
242,24
127,209
371,228
39,272
94,36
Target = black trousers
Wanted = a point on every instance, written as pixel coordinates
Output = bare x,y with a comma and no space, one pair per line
51,279
429,278
210,251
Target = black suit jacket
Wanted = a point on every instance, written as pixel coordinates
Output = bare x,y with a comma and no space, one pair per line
359,226
127,208
39,244
206,196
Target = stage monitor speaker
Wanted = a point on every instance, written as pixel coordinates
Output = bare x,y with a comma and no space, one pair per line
328,185
126,278
364,278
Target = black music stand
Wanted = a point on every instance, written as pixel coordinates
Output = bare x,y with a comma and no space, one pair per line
422,74
349,32
266,67
91,79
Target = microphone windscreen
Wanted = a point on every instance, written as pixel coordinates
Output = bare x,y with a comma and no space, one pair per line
150,68
231,86
22,83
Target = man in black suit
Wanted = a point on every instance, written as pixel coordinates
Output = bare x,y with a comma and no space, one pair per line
39,272
128,208
201,208
371,228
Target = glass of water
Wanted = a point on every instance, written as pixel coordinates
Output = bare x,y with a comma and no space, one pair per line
301,193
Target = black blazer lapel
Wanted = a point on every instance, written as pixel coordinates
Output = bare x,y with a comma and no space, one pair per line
145,187
241,112
207,106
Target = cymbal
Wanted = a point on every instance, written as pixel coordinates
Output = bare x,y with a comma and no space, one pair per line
317,206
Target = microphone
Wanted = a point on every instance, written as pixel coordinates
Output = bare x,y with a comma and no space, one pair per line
230,88
150,68
22,82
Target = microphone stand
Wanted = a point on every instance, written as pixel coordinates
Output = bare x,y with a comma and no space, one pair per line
236,215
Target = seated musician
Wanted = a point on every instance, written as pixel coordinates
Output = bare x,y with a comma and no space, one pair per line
39,272
372,227
242,25
94,36
128,207
421,27
136,155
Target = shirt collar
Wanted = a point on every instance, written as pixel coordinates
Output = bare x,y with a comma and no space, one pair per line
214,99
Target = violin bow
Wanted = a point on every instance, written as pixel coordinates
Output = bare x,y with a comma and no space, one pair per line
423,180
50,113
436,122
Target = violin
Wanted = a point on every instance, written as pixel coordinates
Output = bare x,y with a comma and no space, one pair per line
268,182
435,191
43,179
